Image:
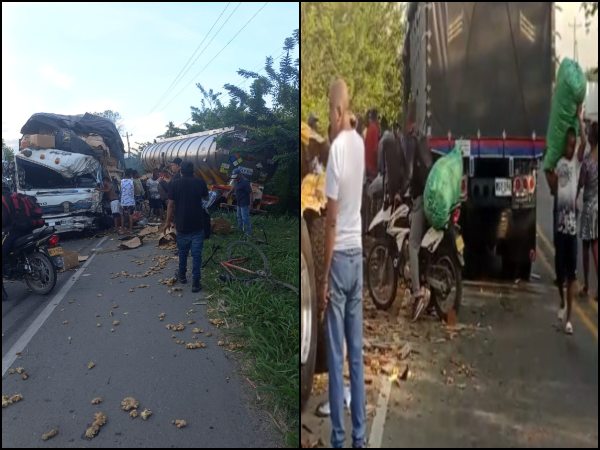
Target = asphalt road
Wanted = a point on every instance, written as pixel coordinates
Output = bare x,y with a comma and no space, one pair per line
513,378
139,359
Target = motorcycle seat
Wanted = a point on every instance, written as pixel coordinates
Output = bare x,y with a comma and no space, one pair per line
35,235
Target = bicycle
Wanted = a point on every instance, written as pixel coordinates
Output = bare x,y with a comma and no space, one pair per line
242,264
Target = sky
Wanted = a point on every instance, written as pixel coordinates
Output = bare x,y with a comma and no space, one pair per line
72,58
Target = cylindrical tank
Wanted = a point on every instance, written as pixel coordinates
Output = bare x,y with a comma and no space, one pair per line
213,163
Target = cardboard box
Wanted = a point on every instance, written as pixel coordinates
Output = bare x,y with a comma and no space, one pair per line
71,260
37,141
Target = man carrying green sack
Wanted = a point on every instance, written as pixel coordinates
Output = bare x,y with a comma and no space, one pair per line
569,93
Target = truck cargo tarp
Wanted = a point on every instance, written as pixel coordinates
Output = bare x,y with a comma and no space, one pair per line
69,164
80,124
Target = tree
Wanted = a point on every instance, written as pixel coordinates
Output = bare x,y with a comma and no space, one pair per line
270,129
172,131
590,10
360,42
8,153
114,117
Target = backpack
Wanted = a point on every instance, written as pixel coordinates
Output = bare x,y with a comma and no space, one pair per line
24,211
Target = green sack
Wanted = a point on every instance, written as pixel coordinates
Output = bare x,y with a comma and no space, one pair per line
569,93
442,190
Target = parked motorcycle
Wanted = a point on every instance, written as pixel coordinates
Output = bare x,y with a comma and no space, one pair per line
440,261
34,259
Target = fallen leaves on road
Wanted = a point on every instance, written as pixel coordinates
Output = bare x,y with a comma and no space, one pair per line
141,286
97,401
146,413
7,401
99,421
50,434
162,316
116,322
91,365
173,327
133,413
129,403
217,322
191,322
179,423
197,330
65,322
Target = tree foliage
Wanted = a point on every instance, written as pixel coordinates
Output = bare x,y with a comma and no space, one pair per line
268,110
8,153
360,42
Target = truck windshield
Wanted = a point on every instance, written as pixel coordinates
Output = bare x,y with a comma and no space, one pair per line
33,176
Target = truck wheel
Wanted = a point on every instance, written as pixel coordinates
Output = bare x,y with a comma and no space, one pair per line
308,316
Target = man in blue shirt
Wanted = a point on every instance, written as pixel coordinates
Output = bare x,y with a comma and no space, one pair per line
242,197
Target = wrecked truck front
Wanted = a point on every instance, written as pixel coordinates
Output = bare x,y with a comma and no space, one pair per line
64,184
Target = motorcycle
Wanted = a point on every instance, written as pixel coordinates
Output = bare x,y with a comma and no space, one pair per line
35,259
440,261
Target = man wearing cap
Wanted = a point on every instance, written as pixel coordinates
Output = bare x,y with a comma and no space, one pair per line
242,198
185,199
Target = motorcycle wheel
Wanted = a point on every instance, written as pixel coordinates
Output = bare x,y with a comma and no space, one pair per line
447,266
43,277
382,279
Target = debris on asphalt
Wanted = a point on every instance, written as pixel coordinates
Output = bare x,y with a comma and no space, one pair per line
97,401
146,413
50,434
173,327
91,365
7,401
65,322
405,351
191,322
116,323
131,244
129,403
179,341
217,322
194,345
197,330
179,423
162,316
99,421
133,413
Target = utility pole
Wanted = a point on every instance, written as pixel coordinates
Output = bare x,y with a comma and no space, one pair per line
128,147
575,25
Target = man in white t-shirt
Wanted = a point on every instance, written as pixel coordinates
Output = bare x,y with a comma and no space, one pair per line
343,267
564,183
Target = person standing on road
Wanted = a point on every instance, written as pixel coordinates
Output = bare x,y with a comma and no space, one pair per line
371,144
588,230
185,204
419,163
163,187
128,198
153,186
176,169
564,182
112,198
138,190
243,192
342,289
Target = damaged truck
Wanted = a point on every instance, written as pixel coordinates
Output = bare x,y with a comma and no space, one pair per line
61,162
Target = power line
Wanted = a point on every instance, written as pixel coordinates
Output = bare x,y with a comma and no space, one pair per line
175,81
218,53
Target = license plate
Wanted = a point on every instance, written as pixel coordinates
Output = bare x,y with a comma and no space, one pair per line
55,251
503,187
460,244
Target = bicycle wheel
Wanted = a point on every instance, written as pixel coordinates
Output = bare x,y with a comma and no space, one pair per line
252,262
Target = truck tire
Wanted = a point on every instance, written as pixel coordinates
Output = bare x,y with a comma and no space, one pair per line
308,316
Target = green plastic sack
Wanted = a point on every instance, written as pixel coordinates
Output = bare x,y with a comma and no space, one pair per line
569,93
442,190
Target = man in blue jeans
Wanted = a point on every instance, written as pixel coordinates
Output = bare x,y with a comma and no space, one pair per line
343,267
185,203
242,198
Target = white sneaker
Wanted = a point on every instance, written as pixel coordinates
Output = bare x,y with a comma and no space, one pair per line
347,397
562,314
569,328
323,410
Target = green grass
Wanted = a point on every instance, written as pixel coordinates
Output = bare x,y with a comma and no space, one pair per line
264,317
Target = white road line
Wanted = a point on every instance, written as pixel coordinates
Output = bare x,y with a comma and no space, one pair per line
379,421
9,358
